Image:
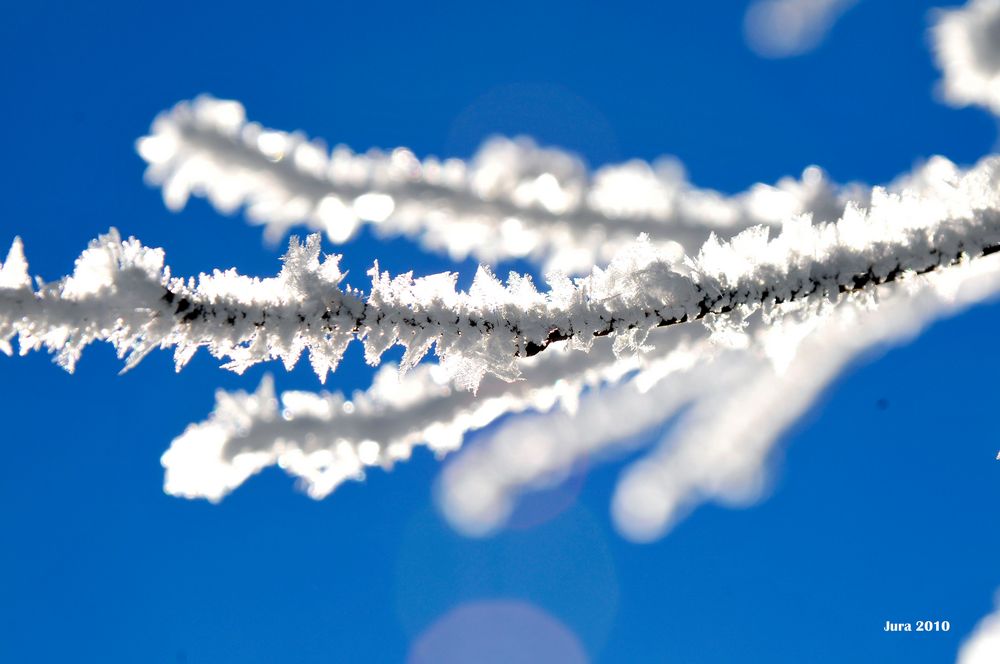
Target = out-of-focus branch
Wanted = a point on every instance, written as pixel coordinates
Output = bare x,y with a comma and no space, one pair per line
511,200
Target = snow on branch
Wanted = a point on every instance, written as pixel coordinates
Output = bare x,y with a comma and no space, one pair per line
121,291
967,48
513,199
324,439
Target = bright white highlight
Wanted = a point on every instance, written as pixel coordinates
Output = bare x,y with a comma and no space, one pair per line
967,46
512,200
786,28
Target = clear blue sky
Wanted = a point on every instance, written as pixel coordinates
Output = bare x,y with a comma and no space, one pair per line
877,513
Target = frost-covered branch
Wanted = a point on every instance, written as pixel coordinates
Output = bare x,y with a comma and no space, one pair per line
324,439
787,28
735,395
512,199
316,439
122,292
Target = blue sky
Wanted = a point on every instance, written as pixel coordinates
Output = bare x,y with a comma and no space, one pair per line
884,504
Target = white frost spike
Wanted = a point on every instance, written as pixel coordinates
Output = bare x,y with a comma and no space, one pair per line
513,199
14,270
122,293
13,276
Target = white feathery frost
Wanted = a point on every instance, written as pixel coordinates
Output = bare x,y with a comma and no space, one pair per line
121,291
326,438
512,200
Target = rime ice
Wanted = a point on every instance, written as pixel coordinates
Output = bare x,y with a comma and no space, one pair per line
121,291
